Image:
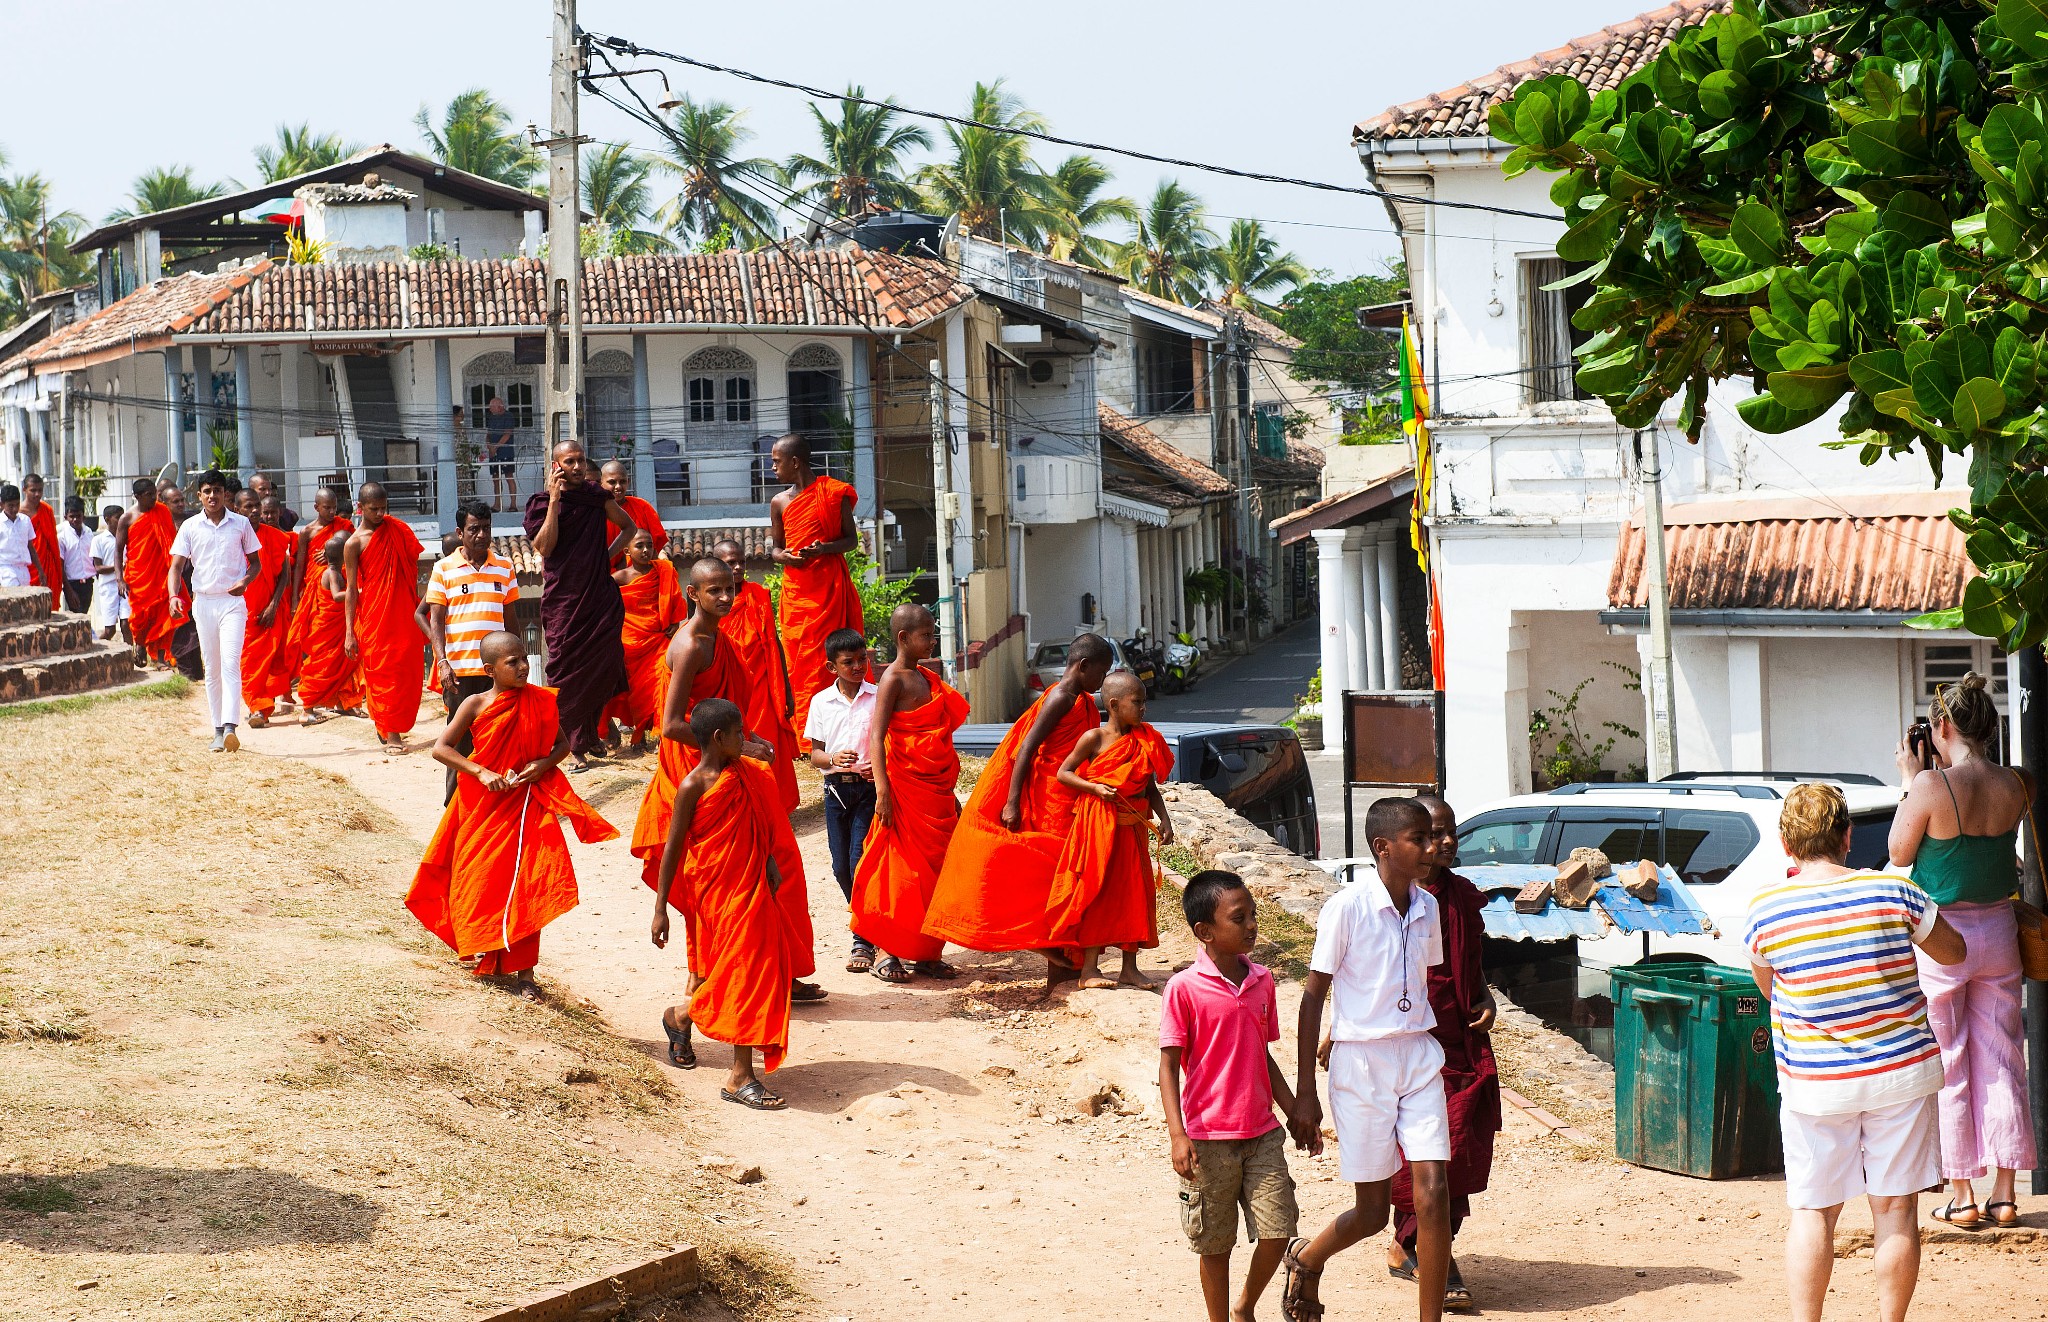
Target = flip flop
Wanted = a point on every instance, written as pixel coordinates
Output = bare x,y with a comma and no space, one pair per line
807,993
890,969
680,1053
860,961
934,968
755,1097
1404,1272
1457,1295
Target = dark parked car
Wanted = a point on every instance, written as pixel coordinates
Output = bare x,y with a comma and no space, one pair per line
1258,770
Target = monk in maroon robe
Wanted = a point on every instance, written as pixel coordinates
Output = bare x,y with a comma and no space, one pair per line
576,527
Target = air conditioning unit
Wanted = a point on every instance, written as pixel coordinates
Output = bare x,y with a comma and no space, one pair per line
1048,373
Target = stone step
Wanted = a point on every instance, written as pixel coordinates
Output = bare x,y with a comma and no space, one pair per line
55,636
23,605
105,665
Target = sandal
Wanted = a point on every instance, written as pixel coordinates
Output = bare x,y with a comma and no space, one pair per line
861,960
1457,1295
1404,1272
1948,1212
1293,1306
2003,1222
806,993
890,969
755,1097
934,968
680,1053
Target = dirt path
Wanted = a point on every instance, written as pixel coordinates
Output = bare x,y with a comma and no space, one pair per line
933,1158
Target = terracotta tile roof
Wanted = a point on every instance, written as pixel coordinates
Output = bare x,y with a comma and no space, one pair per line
1158,462
1856,553
1343,508
1600,60
1151,492
1301,464
144,320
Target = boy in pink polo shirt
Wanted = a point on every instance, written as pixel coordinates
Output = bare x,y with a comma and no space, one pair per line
1219,1083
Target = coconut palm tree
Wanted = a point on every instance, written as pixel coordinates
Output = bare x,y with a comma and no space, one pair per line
298,150
618,197
861,160
476,135
990,180
35,255
1077,184
702,148
162,189
1249,267
1171,251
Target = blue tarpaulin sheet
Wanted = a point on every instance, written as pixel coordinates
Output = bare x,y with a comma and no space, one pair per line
1674,911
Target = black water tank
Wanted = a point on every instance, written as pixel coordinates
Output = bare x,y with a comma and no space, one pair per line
900,231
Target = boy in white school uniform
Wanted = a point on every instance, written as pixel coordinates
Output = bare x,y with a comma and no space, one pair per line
1375,944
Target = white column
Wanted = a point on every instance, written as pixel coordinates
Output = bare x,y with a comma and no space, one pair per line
1356,675
1745,704
965,561
1391,546
1177,575
1212,615
1369,607
1330,615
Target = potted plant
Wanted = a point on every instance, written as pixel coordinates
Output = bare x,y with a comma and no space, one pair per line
1308,715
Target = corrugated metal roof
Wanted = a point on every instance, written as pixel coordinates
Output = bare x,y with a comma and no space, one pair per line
1804,555
1674,912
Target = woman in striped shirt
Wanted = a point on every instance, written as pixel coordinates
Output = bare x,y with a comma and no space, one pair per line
1857,1064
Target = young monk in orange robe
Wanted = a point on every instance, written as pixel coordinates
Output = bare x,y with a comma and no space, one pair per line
145,555
264,673
46,563
701,665
654,611
993,888
1105,890
497,869
614,479
309,561
750,626
721,867
916,768
383,631
810,530
330,681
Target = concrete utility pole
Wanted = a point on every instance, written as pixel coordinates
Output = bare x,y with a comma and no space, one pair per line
564,375
1247,492
1663,720
945,508
2029,700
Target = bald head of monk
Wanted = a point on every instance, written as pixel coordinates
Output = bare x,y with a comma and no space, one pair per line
145,494
792,458
711,587
733,554
915,631
373,504
568,458
326,504
1088,661
1123,694
718,728
614,478
1443,828
504,656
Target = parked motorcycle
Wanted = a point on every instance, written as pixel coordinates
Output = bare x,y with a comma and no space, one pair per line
1143,660
1183,664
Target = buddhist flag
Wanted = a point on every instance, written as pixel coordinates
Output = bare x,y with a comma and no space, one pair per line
1415,421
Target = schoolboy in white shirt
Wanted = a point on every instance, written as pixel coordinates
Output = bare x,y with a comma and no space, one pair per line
1375,943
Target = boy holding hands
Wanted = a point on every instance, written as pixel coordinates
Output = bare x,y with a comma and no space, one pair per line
1375,943
1218,1083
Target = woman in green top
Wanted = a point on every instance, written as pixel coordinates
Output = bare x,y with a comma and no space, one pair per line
1958,830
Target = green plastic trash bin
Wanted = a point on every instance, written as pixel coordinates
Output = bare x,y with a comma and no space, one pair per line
1695,1083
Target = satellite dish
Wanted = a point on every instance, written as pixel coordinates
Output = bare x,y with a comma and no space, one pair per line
169,473
950,231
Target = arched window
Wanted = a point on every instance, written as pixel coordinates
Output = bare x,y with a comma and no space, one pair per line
608,404
816,397
718,384
492,376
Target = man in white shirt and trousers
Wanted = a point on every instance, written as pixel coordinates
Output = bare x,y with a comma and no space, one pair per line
220,548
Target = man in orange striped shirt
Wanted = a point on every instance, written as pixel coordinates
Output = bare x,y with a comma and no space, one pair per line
467,594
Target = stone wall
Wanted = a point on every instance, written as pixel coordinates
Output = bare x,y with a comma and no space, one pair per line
1222,839
47,656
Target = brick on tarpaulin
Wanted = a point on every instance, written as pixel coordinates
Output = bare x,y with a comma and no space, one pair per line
1575,886
1533,898
1638,879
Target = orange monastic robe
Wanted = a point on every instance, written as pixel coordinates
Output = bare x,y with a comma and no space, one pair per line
741,943
266,668
899,865
328,675
993,888
750,626
1105,890
497,869
646,516
46,558
724,678
315,566
147,573
388,640
654,605
817,597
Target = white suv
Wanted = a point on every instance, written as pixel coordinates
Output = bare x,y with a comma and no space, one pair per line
1718,832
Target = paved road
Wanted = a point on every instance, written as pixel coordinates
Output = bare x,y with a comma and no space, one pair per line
1263,686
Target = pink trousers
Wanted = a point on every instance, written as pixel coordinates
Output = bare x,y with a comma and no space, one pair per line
1974,1009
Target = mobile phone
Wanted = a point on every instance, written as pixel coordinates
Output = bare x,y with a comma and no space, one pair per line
1920,740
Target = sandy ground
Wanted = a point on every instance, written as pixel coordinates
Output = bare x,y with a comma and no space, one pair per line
933,1161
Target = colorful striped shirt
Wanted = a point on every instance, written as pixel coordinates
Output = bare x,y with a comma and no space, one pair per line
476,597
1848,1019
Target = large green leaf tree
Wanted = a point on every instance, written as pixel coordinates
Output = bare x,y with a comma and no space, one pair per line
1846,205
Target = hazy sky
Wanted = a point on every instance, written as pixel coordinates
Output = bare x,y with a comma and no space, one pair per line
97,92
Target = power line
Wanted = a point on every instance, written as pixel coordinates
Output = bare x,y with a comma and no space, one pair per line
626,47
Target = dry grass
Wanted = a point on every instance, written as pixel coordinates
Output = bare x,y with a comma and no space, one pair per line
238,1081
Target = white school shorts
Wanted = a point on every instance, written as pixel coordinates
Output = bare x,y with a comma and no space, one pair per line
1887,1153
1387,1100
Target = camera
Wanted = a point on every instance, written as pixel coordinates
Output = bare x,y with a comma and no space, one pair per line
1920,739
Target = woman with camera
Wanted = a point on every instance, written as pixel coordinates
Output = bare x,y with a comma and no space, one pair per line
1958,829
